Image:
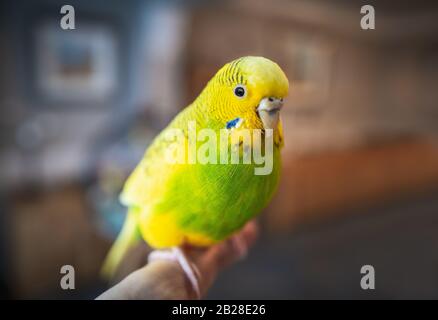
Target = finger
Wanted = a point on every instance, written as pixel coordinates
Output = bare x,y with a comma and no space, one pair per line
250,233
226,253
210,260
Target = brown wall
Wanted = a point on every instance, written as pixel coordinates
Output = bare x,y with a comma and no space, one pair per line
361,118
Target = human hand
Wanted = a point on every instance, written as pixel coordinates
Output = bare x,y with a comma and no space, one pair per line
164,279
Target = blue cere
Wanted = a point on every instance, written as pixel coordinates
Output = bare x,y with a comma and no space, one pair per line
232,123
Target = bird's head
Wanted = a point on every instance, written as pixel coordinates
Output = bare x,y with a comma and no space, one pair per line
249,85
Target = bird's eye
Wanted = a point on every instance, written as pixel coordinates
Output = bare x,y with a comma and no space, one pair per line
240,91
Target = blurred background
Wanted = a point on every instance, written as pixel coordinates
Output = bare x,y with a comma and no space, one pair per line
360,178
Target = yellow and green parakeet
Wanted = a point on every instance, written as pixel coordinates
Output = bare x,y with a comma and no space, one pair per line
171,204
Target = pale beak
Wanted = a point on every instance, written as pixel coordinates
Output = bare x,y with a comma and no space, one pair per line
269,112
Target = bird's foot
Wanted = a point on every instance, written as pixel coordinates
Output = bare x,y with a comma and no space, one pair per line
190,270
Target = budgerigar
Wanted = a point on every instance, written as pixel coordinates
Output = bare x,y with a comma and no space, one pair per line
171,204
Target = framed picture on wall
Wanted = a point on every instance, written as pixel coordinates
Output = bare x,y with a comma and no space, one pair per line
76,65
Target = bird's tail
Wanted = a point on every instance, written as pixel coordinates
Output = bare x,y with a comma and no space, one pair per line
128,236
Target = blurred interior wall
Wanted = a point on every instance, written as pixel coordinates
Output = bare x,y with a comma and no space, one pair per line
360,121
46,140
349,87
51,144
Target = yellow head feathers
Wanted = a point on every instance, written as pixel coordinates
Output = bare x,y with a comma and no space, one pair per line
240,86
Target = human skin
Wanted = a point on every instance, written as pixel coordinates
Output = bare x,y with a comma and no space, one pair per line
164,279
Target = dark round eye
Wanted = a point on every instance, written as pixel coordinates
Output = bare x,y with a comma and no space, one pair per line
240,91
